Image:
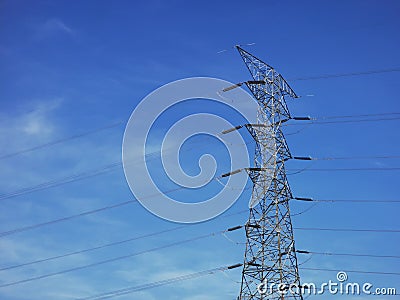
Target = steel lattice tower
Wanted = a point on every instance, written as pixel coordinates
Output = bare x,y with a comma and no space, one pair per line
270,254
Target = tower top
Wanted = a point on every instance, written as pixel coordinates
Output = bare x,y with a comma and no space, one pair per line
261,71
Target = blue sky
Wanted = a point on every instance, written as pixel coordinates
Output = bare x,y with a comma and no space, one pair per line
71,67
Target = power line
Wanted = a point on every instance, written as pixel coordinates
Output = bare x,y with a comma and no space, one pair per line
110,244
92,248
86,213
354,201
356,116
5,233
108,207
348,229
342,121
155,284
76,177
103,169
344,169
111,259
351,271
357,121
61,181
107,244
353,157
110,167
309,169
113,125
167,246
350,254
65,139
327,76
116,242
89,132
62,140
114,166
89,212
64,180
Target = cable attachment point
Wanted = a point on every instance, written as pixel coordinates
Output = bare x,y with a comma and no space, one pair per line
234,266
307,118
303,157
303,199
234,228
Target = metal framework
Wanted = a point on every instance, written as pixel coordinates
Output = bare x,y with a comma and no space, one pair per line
270,255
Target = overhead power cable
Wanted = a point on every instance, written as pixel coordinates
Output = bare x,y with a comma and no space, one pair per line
350,254
114,244
352,271
116,205
114,166
91,249
65,180
357,121
93,173
297,171
117,242
316,122
61,181
108,244
155,284
357,116
345,201
347,157
125,291
360,201
350,74
62,140
79,176
89,132
344,169
89,212
114,259
168,246
86,213
55,142
113,125
348,229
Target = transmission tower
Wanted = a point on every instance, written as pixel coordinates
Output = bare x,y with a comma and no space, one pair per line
270,255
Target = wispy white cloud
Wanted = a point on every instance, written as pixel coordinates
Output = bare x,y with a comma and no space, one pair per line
20,131
35,125
37,122
52,27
